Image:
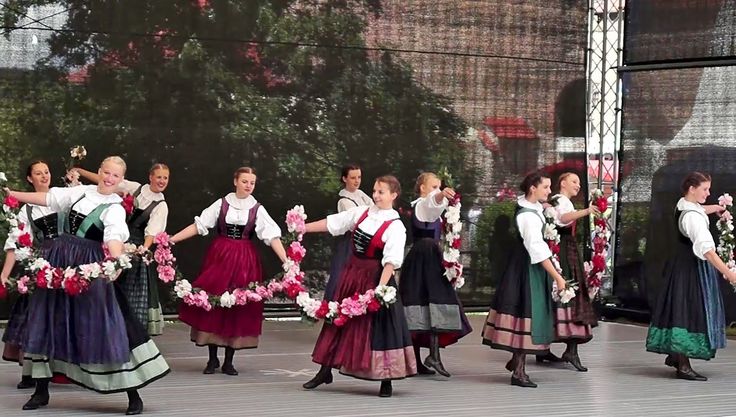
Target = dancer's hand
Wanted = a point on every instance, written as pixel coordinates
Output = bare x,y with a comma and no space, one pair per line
4,279
448,193
593,210
731,276
561,283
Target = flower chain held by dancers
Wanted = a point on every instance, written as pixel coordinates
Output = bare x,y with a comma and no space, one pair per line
91,338
41,225
231,262
433,311
573,321
521,319
375,346
688,319
146,219
349,197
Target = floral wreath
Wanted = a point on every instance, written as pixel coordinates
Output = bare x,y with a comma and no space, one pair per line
596,267
451,242
552,237
290,286
38,271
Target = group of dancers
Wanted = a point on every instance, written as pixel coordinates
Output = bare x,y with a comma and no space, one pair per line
52,334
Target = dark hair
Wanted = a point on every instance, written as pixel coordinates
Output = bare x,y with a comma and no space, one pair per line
693,179
243,170
532,180
346,170
158,165
393,184
423,178
33,163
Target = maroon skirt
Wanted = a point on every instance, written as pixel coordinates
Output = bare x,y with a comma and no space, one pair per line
229,264
373,346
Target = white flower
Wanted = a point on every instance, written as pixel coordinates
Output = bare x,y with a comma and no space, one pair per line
386,294
288,265
333,306
3,178
23,253
550,232
78,152
227,300
451,255
90,270
109,269
459,282
130,248
182,288
567,295
452,214
457,228
550,212
124,261
13,222
37,264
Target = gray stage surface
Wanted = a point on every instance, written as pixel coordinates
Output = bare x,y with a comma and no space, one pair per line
623,380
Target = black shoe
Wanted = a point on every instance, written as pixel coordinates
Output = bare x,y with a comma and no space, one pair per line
510,365
523,382
690,375
549,357
670,361
386,389
36,401
574,360
229,369
134,407
423,370
437,365
211,367
26,383
319,379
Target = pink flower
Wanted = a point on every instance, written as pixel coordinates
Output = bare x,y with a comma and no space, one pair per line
241,296
12,202
296,252
255,296
162,255
275,287
352,307
725,200
726,216
263,292
162,239
166,273
295,222
340,320
23,284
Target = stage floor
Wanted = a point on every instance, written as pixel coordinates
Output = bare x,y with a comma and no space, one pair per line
623,380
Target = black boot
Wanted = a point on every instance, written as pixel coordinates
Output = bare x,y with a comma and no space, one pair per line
671,360
135,403
40,397
324,376
421,369
26,382
519,376
571,356
213,363
549,357
227,366
433,360
386,389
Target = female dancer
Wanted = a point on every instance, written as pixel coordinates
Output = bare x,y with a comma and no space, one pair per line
434,314
44,226
375,347
92,338
140,283
231,262
573,321
521,316
350,196
688,319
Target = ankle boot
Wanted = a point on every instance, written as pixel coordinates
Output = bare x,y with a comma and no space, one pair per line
434,360
40,396
386,389
324,376
135,403
421,369
571,356
227,366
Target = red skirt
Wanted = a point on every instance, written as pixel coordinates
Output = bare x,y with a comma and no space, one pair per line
229,264
373,346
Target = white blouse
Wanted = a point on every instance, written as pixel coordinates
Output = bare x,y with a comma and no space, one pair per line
157,221
426,208
113,217
358,196
394,237
530,227
564,206
36,212
696,226
266,228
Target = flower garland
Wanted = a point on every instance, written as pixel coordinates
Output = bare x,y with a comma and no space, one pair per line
552,237
596,267
40,274
726,240
291,284
451,242
77,153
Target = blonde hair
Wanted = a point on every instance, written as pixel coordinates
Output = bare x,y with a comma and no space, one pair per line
422,179
565,176
116,160
157,166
